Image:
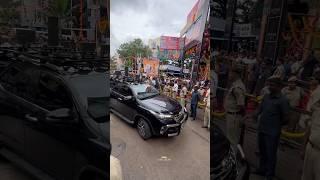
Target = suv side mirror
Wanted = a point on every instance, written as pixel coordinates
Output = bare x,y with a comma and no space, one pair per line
59,115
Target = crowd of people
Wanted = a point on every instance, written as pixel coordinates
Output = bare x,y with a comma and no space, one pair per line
185,92
290,94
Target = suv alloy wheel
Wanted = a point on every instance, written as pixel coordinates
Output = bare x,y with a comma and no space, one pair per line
144,129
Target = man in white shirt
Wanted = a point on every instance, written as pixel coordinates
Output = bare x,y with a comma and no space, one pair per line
175,89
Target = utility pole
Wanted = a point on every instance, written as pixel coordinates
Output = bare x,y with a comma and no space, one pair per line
231,11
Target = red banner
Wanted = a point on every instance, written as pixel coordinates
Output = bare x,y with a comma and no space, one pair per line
170,43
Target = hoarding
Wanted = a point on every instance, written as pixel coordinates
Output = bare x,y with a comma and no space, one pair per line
151,67
172,43
196,29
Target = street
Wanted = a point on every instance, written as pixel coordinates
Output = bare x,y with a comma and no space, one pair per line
10,172
185,157
289,165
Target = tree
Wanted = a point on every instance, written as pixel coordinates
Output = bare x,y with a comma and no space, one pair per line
113,63
60,9
9,14
131,50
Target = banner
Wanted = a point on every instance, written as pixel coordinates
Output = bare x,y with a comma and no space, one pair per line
172,43
151,67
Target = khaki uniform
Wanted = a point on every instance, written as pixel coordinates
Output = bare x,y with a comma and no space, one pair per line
183,94
206,119
294,96
166,90
234,99
311,164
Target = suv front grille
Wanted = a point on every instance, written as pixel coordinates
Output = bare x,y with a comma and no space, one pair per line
178,117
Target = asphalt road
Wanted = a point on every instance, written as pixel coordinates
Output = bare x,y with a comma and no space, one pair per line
185,157
10,172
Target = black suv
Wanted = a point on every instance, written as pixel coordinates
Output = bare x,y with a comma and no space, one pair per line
142,106
54,120
227,162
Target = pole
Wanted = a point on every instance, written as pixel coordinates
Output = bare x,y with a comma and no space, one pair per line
234,7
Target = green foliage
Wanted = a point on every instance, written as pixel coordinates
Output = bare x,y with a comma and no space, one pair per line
130,50
113,64
58,8
8,11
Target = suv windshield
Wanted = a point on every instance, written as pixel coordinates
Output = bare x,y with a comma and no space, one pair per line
144,91
94,92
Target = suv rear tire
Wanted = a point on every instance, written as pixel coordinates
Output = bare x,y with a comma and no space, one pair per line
144,129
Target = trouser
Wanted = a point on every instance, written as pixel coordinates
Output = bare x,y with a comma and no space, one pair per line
193,108
294,118
268,146
311,166
206,119
233,128
183,101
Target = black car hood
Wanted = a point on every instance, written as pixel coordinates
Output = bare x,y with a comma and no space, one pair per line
162,104
220,145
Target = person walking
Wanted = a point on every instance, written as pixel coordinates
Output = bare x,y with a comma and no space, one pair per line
273,112
206,119
166,89
183,94
195,98
235,106
311,152
175,89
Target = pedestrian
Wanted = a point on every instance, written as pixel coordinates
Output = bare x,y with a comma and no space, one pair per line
235,106
166,89
206,118
195,98
311,152
294,94
273,112
183,94
175,89
280,69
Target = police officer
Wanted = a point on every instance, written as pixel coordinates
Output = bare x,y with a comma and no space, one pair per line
294,94
235,105
273,112
311,164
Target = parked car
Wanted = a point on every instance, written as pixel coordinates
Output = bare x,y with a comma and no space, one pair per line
53,122
227,162
151,113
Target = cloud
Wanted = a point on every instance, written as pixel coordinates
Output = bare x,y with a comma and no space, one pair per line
146,19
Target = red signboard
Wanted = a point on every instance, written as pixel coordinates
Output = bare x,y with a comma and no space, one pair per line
170,43
193,13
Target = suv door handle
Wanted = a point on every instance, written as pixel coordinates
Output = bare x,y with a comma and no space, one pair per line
31,118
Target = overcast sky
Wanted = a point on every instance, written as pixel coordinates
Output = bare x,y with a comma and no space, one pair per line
146,19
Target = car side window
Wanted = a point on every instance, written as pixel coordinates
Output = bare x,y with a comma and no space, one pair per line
52,93
20,81
126,91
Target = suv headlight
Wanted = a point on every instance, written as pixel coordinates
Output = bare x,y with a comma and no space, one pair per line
162,116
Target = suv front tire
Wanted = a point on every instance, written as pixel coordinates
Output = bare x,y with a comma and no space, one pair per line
144,129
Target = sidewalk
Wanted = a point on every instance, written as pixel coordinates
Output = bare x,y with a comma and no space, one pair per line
196,125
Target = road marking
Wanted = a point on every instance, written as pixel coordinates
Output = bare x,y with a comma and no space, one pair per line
164,158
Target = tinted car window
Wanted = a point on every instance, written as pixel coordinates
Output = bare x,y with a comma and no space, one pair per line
94,93
20,81
125,91
52,93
